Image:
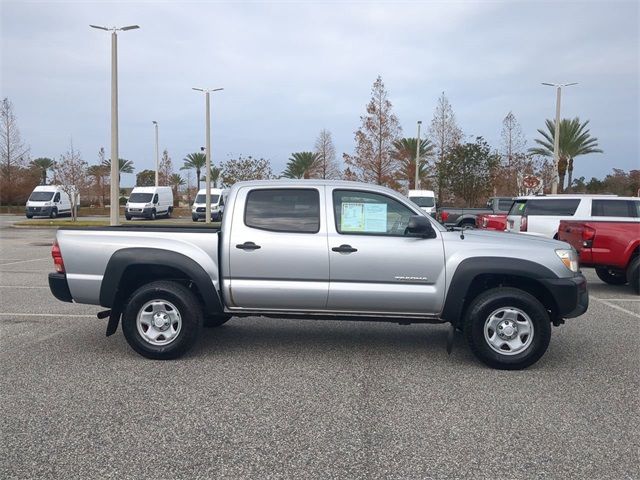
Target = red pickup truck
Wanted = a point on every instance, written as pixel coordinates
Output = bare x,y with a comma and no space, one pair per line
611,247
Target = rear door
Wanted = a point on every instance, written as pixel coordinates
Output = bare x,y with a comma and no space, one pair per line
375,267
278,250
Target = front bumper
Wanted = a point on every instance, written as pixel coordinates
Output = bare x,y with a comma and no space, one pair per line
570,295
215,216
38,211
59,287
139,212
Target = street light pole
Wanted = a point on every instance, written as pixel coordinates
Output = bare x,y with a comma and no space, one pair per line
157,158
416,183
207,208
114,211
556,134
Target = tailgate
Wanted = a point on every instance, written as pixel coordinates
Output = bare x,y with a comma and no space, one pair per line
574,234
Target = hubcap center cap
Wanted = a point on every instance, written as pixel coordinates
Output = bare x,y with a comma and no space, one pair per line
160,320
507,330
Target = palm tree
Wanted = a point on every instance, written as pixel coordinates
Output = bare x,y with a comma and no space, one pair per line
404,150
215,176
176,181
44,164
575,139
197,161
99,172
125,166
301,165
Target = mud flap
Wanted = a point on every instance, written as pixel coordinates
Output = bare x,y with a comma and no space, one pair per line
114,319
450,336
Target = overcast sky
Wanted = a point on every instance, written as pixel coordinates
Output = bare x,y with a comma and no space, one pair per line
290,69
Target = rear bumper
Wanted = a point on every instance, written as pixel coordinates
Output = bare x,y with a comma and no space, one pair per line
59,287
570,294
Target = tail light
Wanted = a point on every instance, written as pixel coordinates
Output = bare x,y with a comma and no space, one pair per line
444,215
523,224
485,222
57,257
588,234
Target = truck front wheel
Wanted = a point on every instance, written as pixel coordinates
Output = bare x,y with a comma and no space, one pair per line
610,276
162,320
507,328
633,274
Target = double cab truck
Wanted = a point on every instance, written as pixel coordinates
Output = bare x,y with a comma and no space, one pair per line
317,249
466,217
612,247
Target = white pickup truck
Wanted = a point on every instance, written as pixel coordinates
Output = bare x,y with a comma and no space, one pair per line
322,250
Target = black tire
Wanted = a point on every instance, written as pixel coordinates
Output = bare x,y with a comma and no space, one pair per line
29,216
611,276
169,212
214,321
188,307
153,215
633,274
54,213
194,218
128,217
491,301
468,224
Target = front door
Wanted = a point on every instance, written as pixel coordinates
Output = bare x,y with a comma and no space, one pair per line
278,250
375,266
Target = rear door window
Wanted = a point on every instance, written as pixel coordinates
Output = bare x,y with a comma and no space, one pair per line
557,207
504,205
615,208
294,210
518,207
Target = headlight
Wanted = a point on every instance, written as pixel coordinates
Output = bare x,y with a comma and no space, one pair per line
149,205
569,258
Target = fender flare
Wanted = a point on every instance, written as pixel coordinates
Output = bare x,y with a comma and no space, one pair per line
471,268
127,257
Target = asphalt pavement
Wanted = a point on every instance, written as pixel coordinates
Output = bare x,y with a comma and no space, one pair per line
268,398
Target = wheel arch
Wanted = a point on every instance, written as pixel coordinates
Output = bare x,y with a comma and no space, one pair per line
476,275
130,268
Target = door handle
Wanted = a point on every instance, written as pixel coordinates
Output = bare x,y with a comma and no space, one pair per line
248,246
344,249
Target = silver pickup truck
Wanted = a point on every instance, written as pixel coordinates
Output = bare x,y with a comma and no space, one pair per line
322,250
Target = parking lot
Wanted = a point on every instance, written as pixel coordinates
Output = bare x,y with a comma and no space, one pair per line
265,398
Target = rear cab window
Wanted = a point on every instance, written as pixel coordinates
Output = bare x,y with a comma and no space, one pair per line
292,210
504,205
615,208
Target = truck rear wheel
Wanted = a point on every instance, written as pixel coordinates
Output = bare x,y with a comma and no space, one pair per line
633,274
611,276
162,320
507,328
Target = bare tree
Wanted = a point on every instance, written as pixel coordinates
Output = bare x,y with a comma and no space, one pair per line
70,172
372,160
326,167
445,135
165,168
245,168
514,159
14,154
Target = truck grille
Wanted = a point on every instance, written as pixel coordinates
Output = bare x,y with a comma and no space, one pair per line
200,209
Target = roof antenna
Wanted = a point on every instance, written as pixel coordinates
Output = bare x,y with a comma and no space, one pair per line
462,224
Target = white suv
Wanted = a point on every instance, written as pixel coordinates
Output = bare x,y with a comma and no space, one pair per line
541,214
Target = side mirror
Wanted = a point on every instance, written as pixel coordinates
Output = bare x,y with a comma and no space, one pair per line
420,226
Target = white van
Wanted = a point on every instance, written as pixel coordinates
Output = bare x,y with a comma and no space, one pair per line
425,199
48,201
198,209
149,202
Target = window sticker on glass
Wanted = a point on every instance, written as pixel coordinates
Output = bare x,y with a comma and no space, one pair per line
364,217
352,218
375,217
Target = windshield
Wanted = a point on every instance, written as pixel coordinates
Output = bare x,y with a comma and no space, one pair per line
140,197
40,196
518,207
423,201
202,198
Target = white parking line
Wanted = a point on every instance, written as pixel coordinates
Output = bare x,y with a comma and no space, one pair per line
25,261
617,307
620,299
